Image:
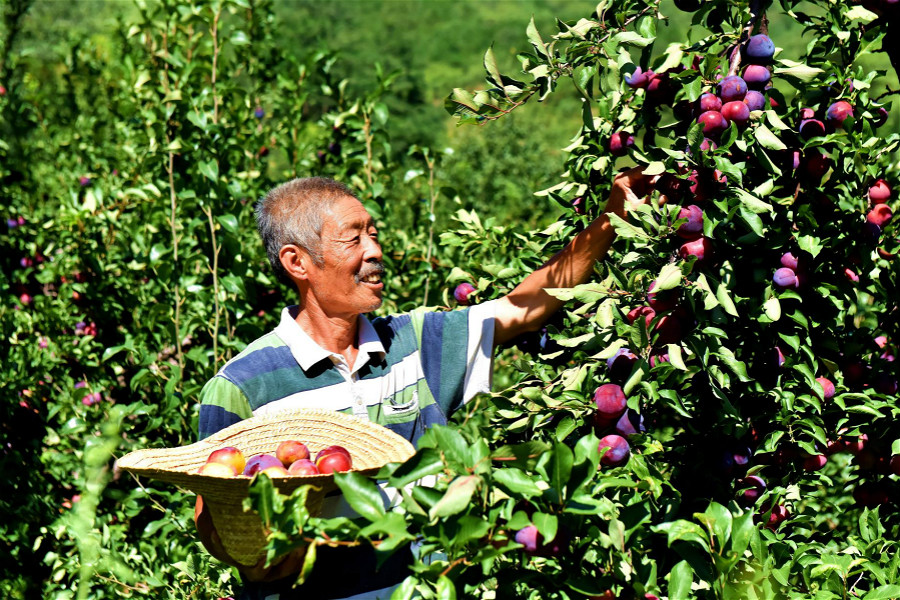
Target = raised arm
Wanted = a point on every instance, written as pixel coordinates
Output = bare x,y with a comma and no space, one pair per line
528,306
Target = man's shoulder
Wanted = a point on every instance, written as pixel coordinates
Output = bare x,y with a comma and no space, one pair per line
266,353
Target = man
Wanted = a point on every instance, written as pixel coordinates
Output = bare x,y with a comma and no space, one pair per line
406,372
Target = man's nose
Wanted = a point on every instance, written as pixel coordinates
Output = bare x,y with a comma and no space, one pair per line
372,249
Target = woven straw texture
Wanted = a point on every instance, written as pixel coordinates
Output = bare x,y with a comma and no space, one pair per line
371,446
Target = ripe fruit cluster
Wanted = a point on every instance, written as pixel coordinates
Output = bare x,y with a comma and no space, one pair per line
290,458
738,96
613,413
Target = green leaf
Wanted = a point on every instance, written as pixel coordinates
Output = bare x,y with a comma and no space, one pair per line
657,167
674,53
566,426
752,202
464,98
801,71
768,139
810,243
733,172
517,482
631,38
309,561
669,277
560,468
625,229
547,524
209,169
617,534
457,497
753,221
445,590
490,65
683,530
724,299
860,13
734,365
361,494
721,522
406,591
261,497
680,580
775,121
885,592
743,528
535,38
772,308
452,444
675,358
157,252
426,461
228,222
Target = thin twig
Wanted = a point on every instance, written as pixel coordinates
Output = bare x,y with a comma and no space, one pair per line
557,72
214,270
449,568
430,164
756,14
367,131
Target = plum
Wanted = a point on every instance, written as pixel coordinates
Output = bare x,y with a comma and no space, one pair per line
620,142
827,387
617,450
837,113
707,102
638,79
736,112
756,76
759,49
753,487
755,100
693,227
732,88
700,248
714,123
880,192
785,278
880,215
810,128
610,400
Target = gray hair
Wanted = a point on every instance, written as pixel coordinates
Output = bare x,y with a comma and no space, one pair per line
293,213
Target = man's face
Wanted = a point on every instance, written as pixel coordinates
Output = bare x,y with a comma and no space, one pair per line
349,281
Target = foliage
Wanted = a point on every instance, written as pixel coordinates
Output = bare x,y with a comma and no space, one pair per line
724,377
128,171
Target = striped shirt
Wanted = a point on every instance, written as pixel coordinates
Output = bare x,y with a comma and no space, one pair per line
412,371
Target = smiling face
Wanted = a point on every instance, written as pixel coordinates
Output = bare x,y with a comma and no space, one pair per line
348,282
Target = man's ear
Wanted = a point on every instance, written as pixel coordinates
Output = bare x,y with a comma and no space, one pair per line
295,261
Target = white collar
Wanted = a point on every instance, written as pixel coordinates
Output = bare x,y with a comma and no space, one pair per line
308,353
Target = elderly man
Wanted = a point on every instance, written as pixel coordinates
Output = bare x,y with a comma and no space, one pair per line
406,372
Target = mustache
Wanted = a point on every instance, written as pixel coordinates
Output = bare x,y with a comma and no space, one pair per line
376,267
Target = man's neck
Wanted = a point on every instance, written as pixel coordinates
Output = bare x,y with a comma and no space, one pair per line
338,334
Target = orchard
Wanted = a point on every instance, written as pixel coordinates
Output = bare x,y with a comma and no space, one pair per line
713,415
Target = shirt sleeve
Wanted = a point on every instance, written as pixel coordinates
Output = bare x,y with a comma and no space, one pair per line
221,404
457,354
480,350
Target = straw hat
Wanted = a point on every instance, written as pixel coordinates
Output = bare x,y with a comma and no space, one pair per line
243,534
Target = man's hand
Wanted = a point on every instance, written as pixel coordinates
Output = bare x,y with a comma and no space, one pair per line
289,564
528,306
630,189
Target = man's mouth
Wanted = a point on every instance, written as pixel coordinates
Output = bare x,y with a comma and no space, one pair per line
371,278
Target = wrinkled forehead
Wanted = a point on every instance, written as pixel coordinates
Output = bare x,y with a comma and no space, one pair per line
346,214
